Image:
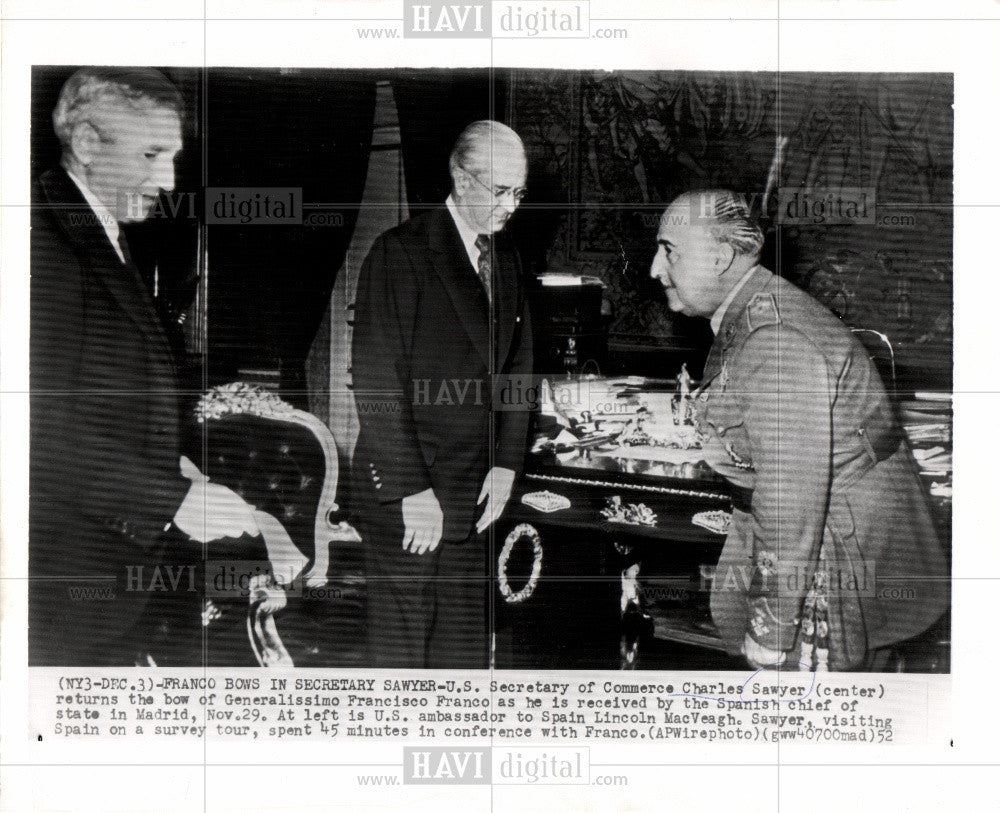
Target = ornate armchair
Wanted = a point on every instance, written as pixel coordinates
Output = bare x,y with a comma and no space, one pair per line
270,600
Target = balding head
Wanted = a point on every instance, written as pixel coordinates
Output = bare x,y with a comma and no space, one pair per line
481,143
488,172
727,217
707,242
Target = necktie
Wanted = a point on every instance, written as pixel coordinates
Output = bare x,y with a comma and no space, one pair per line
123,245
484,267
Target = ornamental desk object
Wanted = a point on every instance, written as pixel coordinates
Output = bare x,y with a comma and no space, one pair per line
546,501
628,513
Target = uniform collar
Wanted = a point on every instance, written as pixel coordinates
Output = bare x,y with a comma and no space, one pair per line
720,312
107,220
729,329
752,284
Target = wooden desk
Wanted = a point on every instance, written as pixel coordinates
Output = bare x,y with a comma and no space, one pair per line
603,584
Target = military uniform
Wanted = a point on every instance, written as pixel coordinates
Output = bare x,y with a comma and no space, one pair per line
835,548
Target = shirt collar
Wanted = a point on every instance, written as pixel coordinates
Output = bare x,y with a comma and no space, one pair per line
720,312
465,232
107,220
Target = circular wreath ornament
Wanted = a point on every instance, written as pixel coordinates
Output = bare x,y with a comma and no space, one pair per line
529,533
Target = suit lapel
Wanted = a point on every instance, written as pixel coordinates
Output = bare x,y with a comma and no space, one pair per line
505,295
451,262
123,281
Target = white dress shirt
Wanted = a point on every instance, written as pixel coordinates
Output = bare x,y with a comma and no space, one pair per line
103,215
465,232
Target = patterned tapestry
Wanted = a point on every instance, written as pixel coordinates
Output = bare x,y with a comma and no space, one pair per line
608,150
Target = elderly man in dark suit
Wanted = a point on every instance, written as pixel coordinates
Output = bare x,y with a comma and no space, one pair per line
441,320
106,477
835,556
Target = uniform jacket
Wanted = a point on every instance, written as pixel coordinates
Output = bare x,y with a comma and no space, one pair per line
104,455
424,351
800,415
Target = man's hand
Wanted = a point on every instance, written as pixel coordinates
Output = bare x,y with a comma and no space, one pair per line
423,522
760,657
496,491
210,511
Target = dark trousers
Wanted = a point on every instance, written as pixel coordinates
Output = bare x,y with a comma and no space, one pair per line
424,611
100,600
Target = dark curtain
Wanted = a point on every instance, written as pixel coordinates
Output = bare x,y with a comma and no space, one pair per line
46,82
270,285
434,107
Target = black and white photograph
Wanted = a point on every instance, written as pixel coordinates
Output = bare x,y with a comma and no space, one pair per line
491,368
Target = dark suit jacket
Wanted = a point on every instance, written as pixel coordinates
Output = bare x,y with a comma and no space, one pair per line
423,353
104,432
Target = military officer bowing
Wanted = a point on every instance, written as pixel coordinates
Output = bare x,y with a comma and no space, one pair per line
836,528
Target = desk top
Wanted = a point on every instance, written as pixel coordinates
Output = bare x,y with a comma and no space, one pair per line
671,504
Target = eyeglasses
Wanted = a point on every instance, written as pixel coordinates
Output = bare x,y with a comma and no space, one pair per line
500,192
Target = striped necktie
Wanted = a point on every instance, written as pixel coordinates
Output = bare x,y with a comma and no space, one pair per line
484,267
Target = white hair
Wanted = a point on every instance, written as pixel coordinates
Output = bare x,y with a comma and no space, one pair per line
91,90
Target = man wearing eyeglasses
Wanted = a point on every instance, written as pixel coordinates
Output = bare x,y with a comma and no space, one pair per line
441,323
106,475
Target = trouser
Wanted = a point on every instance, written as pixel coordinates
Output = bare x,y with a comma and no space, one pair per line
428,610
98,600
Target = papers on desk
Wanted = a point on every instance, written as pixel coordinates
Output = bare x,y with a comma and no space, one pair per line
567,280
928,432
579,400
943,490
936,460
927,423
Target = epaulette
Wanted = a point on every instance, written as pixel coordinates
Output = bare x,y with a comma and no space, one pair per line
762,311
